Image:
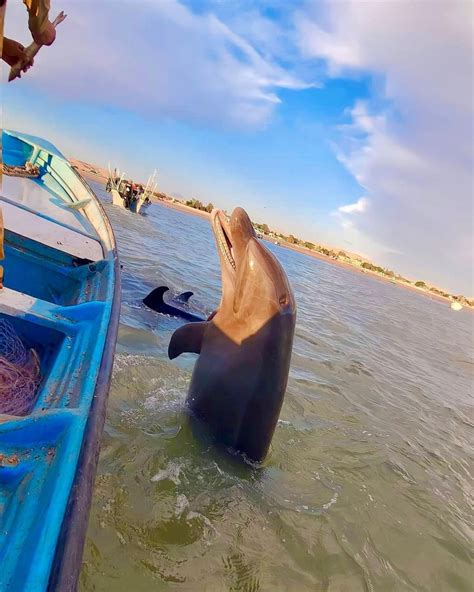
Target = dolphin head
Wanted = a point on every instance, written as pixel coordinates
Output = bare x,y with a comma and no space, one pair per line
254,286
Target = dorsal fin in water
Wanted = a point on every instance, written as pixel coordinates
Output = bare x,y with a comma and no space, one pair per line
184,297
154,300
173,307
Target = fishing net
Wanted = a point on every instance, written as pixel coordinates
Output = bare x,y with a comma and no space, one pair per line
19,372
27,170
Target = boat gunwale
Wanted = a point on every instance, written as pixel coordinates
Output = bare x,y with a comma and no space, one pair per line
67,561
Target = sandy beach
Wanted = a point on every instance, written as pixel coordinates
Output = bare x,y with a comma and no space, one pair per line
100,175
90,171
182,208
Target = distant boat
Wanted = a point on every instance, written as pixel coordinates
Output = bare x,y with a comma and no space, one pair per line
456,305
129,195
59,312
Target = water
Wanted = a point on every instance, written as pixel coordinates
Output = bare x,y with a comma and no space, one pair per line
368,483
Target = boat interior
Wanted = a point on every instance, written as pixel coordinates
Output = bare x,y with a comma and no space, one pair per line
58,285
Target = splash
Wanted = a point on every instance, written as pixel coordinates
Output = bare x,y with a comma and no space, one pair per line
171,473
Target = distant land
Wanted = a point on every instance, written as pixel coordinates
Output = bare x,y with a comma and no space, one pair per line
342,258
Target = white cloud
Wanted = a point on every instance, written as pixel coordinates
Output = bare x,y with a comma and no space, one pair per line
156,58
358,207
410,145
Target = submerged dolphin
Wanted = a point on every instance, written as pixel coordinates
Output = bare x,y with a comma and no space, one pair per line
240,377
174,307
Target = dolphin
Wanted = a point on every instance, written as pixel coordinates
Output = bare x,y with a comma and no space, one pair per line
173,307
240,377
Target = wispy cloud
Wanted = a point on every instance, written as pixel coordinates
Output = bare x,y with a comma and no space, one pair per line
410,145
158,59
358,207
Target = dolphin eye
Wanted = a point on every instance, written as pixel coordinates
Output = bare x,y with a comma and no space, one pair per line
283,299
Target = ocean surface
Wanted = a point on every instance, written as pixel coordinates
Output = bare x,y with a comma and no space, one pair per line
368,485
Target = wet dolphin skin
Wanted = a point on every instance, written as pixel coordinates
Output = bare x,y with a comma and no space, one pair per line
240,377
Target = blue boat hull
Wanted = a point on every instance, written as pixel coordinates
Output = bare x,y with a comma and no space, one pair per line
62,298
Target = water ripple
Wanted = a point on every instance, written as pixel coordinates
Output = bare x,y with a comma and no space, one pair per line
368,485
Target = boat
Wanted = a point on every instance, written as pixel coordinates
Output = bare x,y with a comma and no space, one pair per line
455,305
59,313
129,195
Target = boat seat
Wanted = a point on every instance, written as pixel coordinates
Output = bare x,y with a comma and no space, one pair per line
13,303
35,227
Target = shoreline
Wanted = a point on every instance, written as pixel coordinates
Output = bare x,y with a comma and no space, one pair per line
303,251
366,272
181,207
99,175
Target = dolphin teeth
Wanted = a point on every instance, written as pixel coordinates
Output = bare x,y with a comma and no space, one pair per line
224,247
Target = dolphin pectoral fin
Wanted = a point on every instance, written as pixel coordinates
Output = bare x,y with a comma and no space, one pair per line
184,297
187,338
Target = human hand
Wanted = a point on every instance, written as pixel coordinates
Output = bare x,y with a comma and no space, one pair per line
46,36
14,52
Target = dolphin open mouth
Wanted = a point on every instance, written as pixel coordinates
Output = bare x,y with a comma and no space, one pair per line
223,236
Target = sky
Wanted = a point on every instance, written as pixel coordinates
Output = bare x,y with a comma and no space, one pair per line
347,123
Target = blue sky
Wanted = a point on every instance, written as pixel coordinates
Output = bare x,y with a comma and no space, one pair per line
329,120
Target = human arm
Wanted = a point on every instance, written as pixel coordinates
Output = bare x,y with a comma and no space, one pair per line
14,52
41,28
30,52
